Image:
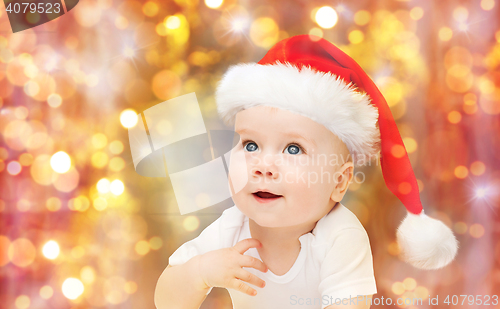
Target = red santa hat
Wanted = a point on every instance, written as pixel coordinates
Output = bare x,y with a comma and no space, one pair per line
312,77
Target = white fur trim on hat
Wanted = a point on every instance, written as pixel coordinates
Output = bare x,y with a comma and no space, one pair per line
322,97
425,242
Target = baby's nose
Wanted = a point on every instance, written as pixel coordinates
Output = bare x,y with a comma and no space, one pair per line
265,167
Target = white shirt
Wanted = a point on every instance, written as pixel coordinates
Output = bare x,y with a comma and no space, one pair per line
335,262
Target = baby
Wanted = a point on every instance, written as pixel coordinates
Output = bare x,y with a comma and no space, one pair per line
306,115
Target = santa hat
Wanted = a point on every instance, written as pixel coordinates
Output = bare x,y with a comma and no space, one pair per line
310,76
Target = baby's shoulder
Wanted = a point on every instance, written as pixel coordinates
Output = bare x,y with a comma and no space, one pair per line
230,226
340,219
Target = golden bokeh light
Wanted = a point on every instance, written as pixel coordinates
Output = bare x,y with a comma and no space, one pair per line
128,118
53,204
116,164
409,284
22,302
117,187
487,5
445,34
421,292
21,112
172,22
477,168
22,252
54,100
116,147
99,159
191,223
410,144
131,287
356,36
155,243
460,227
454,117
420,185
60,162
460,14
315,32
150,8
398,288
404,187
264,32
326,17
362,17
4,247
72,288
99,140
66,182
51,249
213,4
77,252
398,151
23,205
88,275
46,292
166,84
100,203
476,230
142,247
26,159
416,13
103,185
461,172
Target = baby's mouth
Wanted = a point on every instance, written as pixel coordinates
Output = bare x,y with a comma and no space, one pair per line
264,197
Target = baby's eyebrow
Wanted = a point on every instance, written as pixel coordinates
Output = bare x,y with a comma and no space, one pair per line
290,134
297,135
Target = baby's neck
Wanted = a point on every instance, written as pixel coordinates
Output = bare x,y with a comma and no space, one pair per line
280,246
279,236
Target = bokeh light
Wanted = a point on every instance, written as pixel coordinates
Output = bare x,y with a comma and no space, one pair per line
103,185
60,162
116,187
128,118
46,292
22,302
51,250
326,17
213,4
72,288
22,252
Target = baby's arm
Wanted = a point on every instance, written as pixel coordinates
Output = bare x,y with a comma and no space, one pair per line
185,286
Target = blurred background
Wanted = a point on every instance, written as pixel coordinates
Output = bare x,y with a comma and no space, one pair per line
79,228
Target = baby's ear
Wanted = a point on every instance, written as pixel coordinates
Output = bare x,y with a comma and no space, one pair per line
342,178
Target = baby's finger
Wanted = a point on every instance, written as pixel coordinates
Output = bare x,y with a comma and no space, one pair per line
250,261
242,287
245,244
250,278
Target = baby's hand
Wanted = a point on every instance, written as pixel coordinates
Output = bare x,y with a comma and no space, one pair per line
223,267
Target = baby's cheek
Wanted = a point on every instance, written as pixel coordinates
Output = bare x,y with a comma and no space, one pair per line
238,174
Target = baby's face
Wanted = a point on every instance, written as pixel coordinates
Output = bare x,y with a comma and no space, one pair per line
289,155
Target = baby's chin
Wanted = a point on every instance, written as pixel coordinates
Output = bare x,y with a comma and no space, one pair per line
268,220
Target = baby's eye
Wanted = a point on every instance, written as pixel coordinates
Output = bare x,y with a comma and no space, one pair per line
250,146
293,149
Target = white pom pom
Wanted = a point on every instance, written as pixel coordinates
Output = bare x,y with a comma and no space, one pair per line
426,243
